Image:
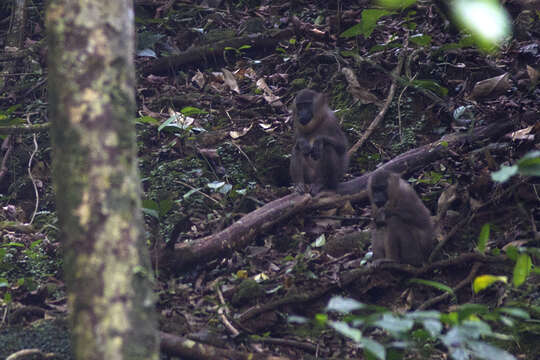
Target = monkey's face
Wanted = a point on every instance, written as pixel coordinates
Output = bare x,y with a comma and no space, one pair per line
380,194
304,111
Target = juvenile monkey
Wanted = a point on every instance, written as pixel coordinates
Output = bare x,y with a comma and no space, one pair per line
403,230
319,156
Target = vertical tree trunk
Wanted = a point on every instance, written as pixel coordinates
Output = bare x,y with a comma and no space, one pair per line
91,98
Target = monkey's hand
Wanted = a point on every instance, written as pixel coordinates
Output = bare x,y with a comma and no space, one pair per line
303,145
380,218
317,149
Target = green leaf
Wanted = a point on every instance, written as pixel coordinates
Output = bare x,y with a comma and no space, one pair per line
165,206
366,26
3,283
147,120
150,204
295,319
353,31
434,327
343,305
190,192
483,350
344,329
319,242
465,311
484,281
13,244
512,252
423,315
435,284
420,39
522,269
225,189
515,312
529,165
394,324
151,212
244,47
321,319
396,4
169,123
505,173
214,185
483,238
34,244
432,86
373,347
191,111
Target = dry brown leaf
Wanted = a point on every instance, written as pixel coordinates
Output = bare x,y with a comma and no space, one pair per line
492,87
445,200
268,95
230,80
533,74
523,134
237,134
359,93
199,79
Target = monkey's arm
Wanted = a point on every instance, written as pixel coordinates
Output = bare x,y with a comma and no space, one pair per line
302,145
338,143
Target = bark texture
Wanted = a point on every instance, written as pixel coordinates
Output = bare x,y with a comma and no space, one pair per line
91,97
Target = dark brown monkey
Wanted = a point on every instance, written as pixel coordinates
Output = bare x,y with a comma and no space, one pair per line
319,156
403,230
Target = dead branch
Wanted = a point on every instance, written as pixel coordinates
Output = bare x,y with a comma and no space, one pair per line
24,129
209,53
191,350
35,354
286,342
446,295
239,234
14,38
385,107
7,146
417,158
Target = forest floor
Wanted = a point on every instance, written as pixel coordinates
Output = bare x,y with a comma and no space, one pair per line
215,132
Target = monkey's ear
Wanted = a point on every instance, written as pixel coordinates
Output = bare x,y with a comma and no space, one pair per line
320,101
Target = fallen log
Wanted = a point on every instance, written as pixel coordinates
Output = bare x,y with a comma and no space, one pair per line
191,350
213,53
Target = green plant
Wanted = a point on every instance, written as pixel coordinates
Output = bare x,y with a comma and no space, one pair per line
464,333
528,165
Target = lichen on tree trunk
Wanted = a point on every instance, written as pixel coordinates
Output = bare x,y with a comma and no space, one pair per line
91,97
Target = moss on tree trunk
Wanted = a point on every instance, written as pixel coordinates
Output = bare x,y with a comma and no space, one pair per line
91,97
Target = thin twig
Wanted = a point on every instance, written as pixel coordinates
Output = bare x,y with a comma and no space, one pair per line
385,107
30,171
223,311
199,191
399,108
8,147
464,282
